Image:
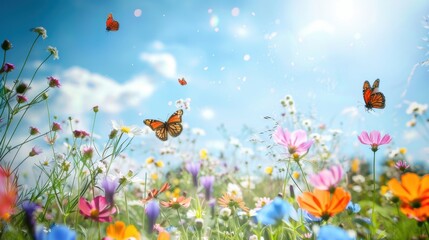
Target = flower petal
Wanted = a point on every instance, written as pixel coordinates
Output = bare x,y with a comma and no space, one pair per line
364,138
374,137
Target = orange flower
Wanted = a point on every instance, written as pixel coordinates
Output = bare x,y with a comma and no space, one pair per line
119,231
232,201
155,192
414,194
176,203
321,203
8,193
164,236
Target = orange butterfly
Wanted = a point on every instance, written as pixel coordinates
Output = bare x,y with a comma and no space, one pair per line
372,97
173,126
111,24
182,81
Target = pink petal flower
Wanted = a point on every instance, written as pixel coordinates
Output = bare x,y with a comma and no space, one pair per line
374,139
295,142
327,179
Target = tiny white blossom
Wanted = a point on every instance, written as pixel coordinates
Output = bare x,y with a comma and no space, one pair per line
40,31
53,51
234,190
131,131
417,108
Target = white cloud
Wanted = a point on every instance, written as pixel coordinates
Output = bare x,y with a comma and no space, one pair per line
164,63
207,113
352,112
410,135
82,89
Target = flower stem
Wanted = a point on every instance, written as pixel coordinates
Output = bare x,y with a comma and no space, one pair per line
304,177
373,192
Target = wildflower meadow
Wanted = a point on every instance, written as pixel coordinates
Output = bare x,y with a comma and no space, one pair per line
287,180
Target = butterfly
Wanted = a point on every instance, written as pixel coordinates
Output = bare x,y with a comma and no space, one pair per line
173,126
372,97
182,81
111,24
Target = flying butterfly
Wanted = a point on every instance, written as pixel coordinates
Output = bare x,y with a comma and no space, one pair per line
182,81
372,97
111,24
172,126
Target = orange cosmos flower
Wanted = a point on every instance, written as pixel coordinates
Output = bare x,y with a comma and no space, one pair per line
119,231
232,201
155,192
413,192
176,203
321,203
8,193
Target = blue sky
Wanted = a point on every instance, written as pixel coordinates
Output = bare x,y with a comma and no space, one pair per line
239,58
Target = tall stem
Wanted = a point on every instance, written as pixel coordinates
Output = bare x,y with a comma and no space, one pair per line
373,191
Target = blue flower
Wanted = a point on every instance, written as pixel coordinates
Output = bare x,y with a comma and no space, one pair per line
353,207
329,232
275,212
109,187
307,217
56,232
29,210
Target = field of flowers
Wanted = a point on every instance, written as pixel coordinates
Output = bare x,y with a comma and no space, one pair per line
90,190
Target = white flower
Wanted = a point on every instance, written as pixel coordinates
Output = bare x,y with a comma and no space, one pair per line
53,51
225,212
357,188
262,201
131,131
234,141
234,190
417,108
40,31
184,104
191,214
255,237
247,183
358,179
306,122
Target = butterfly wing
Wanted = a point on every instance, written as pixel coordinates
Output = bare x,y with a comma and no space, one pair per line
111,24
367,91
182,81
158,127
378,100
375,86
174,123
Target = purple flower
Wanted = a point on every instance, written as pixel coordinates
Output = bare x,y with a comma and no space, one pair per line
109,187
327,179
29,209
35,151
7,67
295,142
207,182
402,166
152,212
193,169
374,139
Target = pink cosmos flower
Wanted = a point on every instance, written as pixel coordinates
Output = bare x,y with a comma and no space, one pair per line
327,179
374,139
295,142
53,82
98,209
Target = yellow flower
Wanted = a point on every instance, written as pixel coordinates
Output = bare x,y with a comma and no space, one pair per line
204,155
269,170
119,231
175,181
296,175
154,176
150,160
355,165
403,151
384,189
159,164
176,192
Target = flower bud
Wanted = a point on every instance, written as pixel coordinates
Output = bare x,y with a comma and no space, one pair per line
21,88
6,45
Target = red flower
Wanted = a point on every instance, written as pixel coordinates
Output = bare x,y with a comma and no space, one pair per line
8,193
98,209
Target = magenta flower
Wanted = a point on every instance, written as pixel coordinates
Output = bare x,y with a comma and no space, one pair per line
374,139
327,179
98,209
402,166
296,142
80,134
7,67
21,98
34,131
53,82
56,126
